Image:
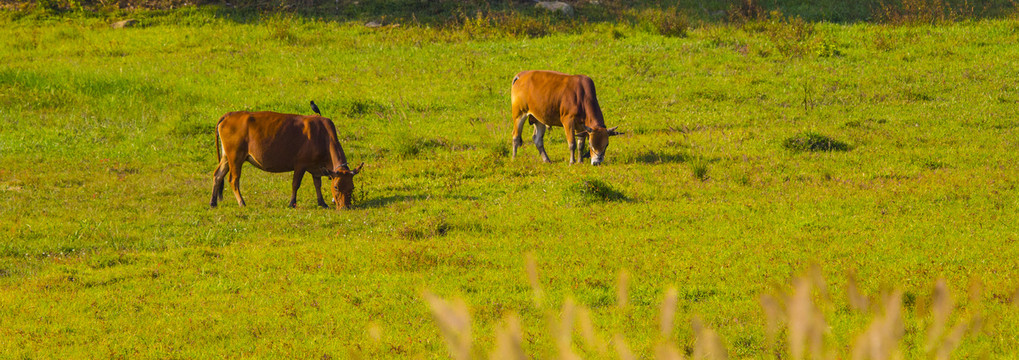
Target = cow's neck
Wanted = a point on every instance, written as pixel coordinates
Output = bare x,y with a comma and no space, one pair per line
593,122
593,118
338,156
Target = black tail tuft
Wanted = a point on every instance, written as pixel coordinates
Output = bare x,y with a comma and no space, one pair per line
515,78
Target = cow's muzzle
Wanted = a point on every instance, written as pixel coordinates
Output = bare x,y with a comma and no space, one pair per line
596,160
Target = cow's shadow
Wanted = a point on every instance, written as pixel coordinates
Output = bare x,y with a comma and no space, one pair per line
657,157
385,201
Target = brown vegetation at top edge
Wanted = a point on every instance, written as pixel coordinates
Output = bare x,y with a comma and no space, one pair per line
669,18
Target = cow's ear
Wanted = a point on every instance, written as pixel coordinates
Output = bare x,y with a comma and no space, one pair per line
612,132
358,169
331,174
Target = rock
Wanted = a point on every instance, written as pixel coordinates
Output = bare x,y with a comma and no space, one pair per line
556,6
373,24
124,23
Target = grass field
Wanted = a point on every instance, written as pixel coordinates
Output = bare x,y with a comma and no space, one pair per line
108,247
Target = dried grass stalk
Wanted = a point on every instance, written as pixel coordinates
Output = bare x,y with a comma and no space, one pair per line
563,333
941,309
622,290
588,332
668,312
881,339
532,277
667,351
622,349
509,340
707,344
857,301
950,342
806,323
773,316
454,322
375,332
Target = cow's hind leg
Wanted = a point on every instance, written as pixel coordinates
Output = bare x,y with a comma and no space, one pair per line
235,163
217,183
539,140
298,176
318,190
518,127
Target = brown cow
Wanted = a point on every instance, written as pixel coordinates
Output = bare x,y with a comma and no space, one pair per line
549,98
277,142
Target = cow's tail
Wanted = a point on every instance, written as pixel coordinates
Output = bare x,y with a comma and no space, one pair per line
219,148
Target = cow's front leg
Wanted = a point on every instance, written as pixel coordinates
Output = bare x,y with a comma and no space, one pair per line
318,190
572,144
539,140
582,147
298,175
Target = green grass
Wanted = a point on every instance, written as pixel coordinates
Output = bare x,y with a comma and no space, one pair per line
108,247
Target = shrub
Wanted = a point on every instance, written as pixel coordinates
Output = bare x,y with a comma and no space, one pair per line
699,169
593,190
424,229
745,10
814,142
362,108
921,11
668,22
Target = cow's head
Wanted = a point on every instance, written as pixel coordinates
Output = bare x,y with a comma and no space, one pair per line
599,138
343,185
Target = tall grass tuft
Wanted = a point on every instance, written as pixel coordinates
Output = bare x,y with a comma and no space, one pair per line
814,142
699,169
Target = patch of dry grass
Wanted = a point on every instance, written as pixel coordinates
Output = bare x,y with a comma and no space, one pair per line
797,313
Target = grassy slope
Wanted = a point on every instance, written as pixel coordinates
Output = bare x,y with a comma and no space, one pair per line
106,152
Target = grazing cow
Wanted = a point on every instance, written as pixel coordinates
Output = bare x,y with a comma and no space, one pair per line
277,142
548,98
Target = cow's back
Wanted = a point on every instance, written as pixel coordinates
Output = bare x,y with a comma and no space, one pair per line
277,142
549,95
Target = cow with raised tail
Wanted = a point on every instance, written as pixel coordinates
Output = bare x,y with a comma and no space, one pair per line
276,143
549,98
